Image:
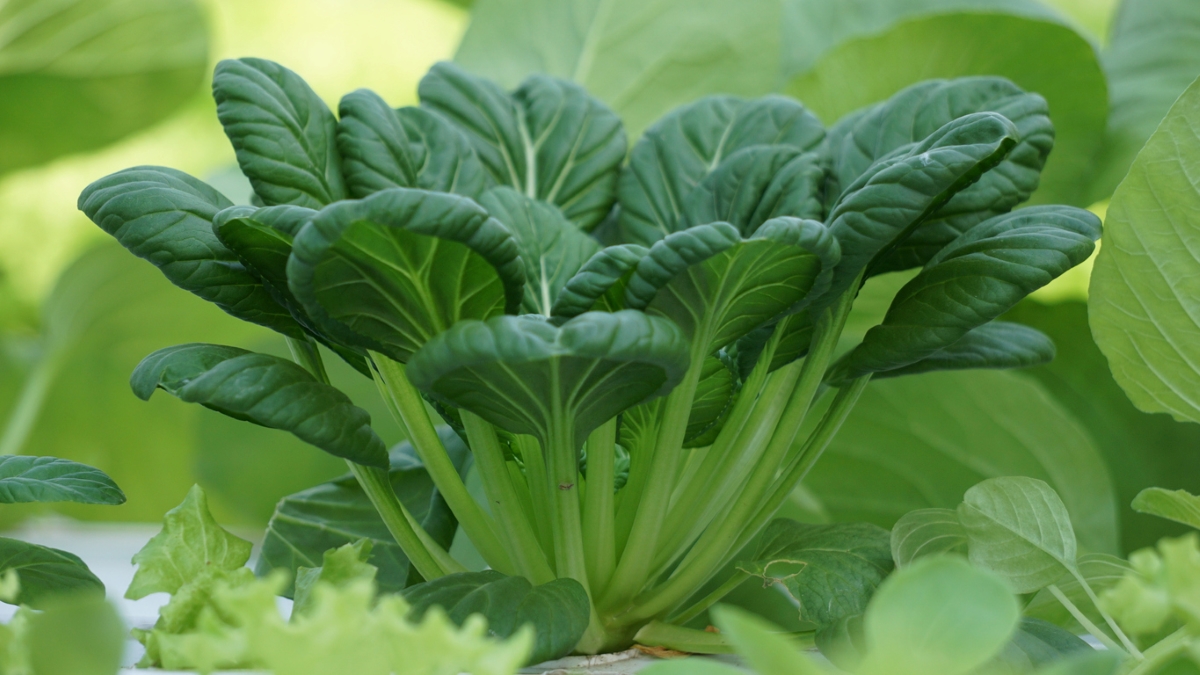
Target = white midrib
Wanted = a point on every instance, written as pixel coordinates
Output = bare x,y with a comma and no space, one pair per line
545,283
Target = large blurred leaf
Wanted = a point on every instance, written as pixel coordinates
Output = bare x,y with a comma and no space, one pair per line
1141,449
1150,60
78,74
640,57
1038,53
77,636
1144,303
922,441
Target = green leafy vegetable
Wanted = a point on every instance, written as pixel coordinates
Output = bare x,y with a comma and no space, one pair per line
45,573
830,571
340,567
549,139
1142,303
75,635
49,479
284,135
265,390
1177,505
557,611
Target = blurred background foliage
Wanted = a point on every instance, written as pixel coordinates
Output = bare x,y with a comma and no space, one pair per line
90,87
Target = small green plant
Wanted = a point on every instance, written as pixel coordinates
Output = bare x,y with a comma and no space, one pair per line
564,302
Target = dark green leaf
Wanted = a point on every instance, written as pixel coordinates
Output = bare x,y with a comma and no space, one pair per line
859,140
715,394
559,610
718,286
282,132
600,282
76,636
552,249
549,139
309,523
410,147
797,331
165,216
756,184
266,390
373,272
978,277
73,76
525,374
675,155
45,572
830,571
190,545
1019,528
927,532
898,193
996,345
49,479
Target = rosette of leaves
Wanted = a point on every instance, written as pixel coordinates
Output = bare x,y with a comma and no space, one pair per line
501,255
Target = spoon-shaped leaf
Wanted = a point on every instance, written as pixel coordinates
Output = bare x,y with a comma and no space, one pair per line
901,191
1019,528
408,147
389,272
50,479
998,345
718,286
978,277
859,140
558,611
45,572
165,216
927,532
830,571
552,249
282,132
549,139
600,282
265,390
675,154
757,184
528,376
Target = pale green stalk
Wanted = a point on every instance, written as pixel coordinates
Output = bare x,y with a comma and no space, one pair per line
705,557
599,536
1084,621
1087,588
641,458
409,409
737,579
541,490
1164,652
429,558
29,404
523,545
637,560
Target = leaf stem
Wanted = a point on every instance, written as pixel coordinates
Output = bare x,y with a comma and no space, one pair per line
1083,620
523,544
1087,588
714,545
599,536
1163,652
541,490
737,579
427,556
408,407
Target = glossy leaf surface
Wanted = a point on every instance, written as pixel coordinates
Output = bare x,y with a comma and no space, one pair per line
165,216
265,390
600,282
372,273
994,345
283,133
526,375
49,479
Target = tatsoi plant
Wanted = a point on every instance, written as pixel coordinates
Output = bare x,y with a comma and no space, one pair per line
567,303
